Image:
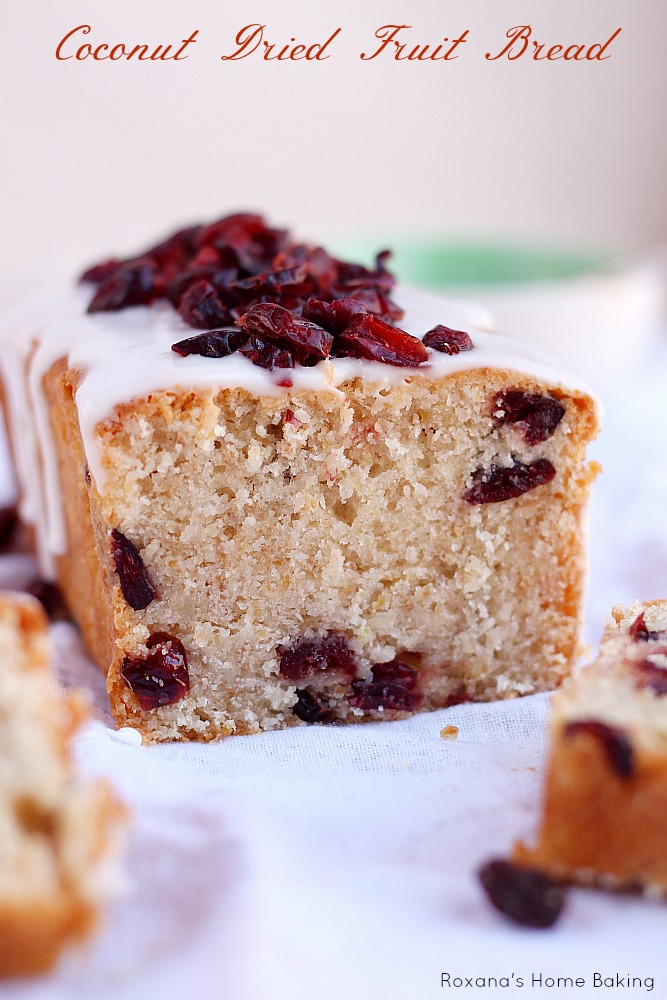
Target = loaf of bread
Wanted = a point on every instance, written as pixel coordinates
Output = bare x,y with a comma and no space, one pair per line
274,495
605,809
59,836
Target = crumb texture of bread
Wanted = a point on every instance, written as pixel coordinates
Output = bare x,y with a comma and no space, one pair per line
58,836
605,808
265,522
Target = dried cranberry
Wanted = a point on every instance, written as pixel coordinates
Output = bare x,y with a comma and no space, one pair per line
100,273
392,688
219,277
172,257
277,324
448,341
367,336
50,597
651,675
458,697
500,483
270,282
537,416
205,258
372,300
8,522
387,310
236,231
268,244
309,708
129,285
614,742
525,895
330,653
640,632
381,259
176,248
266,355
318,266
333,316
135,582
161,677
201,307
357,276
216,344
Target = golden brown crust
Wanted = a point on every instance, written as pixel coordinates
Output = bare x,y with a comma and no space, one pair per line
33,935
597,824
82,574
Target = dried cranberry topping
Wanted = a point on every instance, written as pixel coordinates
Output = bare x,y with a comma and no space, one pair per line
306,303
651,675
290,278
50,597
366,336
8,522
537,416
135,582
161,677
333,316
276,324
391,687
130,285
614,742
459,697
245,239
442,338
500,483
640,632
244,262
310,708
177,248
216,344
265,354
375,301
352,276
219,277
330,653
100,273
201,306
525,895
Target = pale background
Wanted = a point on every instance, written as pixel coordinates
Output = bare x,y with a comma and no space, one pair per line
101,157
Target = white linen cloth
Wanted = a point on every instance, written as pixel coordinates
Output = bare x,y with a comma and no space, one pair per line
339,863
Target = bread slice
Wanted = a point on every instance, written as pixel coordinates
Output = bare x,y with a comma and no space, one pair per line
58,836
345,538
605,807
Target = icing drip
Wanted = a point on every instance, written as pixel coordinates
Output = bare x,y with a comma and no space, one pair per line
127,355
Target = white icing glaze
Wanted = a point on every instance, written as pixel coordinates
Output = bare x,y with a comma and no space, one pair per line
127,355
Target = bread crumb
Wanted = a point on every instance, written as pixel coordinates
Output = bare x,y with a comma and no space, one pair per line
449,732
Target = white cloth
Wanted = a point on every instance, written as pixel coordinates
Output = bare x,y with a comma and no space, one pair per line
339,863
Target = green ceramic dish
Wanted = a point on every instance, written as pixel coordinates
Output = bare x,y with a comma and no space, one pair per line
436,265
